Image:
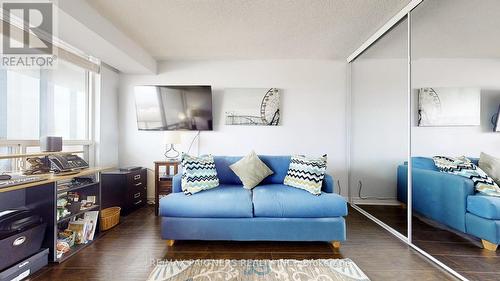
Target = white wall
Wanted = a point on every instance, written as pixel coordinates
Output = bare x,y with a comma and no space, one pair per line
458,141
313,111
107,113
379,131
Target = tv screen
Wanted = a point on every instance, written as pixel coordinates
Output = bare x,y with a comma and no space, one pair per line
174,108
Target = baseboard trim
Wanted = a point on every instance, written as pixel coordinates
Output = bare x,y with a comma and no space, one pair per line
385,202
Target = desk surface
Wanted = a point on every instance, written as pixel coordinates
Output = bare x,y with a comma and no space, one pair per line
54,178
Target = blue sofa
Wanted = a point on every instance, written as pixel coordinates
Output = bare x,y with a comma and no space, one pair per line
451,200
270,212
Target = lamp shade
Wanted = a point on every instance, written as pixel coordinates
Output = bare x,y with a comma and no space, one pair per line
172,138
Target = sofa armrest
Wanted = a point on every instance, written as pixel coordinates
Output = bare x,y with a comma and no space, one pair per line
438,195
328,184
176,183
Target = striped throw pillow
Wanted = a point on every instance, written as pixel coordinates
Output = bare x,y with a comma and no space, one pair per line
306,173
198,174
462,166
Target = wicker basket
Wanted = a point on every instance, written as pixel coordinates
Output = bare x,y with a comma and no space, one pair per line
110,217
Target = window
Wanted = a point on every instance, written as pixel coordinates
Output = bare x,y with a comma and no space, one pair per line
47,102
44,103
36,103
20,95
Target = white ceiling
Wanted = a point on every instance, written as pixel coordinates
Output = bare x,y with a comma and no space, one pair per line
248,29
445,29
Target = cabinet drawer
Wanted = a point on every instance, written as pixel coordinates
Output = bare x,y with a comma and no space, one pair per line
136,199
137,186
137,178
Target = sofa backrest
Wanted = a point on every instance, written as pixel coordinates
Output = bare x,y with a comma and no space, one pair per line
278,164
427,163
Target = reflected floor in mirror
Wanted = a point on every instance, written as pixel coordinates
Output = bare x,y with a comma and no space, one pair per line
464,255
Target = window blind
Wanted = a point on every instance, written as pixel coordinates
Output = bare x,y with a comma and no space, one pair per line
61,52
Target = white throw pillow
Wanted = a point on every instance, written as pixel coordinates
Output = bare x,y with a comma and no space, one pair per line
251,170
491,166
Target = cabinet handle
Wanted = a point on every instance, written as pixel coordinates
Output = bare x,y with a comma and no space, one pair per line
137,177
19,241
137,195
138,184
138,202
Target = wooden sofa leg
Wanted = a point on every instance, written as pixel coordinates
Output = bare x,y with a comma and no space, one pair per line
336,244
489,246
170,243
403,205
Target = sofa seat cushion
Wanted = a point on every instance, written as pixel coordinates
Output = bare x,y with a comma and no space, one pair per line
487,207
224,201
281,201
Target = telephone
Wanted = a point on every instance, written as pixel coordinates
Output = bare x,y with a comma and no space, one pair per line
66,163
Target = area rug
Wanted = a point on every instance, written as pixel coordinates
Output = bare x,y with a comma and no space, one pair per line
256,270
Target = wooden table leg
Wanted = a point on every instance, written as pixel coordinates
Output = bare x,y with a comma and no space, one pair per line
157,195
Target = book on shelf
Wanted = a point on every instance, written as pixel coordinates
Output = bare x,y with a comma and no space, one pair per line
79,231
90,219
78,226
84,227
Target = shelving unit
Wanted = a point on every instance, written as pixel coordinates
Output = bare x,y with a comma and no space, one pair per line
41,197
67,218
61,191
90,189
76,249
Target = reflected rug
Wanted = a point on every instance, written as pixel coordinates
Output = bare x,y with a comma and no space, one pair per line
256,270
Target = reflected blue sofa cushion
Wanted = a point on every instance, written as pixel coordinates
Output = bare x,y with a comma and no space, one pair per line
487,207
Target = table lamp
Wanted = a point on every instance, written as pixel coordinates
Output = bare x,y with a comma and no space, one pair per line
172,138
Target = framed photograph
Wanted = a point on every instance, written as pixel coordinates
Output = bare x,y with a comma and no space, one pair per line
252,106
449,107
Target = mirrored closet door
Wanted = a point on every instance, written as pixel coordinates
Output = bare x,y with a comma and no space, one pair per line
379,128
455,51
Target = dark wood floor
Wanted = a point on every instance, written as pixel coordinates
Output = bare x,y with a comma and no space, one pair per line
129,251
456,250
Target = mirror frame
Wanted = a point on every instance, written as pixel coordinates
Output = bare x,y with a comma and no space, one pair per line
405,13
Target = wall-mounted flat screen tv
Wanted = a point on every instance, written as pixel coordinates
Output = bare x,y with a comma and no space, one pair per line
174,108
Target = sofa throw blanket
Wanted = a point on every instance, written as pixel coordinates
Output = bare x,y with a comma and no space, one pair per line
462,166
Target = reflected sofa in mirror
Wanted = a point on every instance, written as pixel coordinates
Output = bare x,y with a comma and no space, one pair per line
379,126
455,97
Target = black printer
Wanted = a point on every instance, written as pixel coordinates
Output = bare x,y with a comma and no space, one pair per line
21,235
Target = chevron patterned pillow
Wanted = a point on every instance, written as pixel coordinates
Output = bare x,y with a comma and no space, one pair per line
462,166
306,173
199,173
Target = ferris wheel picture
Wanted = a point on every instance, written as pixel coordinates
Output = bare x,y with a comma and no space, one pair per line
252,106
